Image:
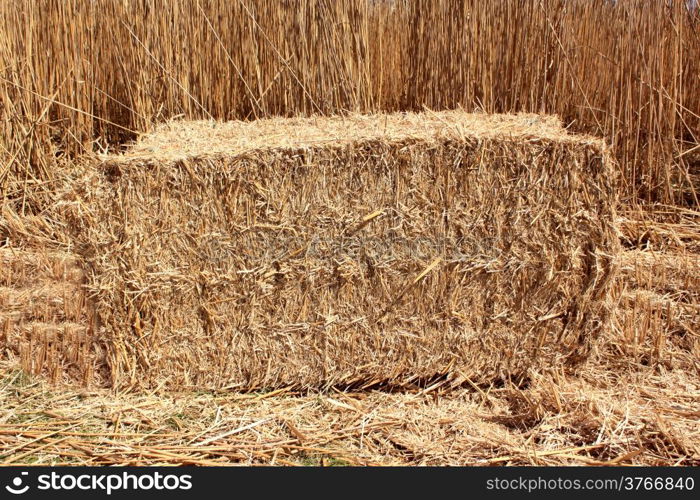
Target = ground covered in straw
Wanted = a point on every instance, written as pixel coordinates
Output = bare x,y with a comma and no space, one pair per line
645,415
635,401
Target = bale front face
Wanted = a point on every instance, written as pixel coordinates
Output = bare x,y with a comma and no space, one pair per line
385,258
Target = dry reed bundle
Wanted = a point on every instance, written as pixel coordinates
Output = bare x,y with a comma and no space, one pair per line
46,324
659,312
355,250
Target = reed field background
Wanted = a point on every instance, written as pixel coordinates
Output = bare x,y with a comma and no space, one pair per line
81,78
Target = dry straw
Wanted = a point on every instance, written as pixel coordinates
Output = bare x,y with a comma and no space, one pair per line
72,72
46,323
355,251
634,402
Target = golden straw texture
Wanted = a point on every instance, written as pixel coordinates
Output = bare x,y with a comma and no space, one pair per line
355,251
46,324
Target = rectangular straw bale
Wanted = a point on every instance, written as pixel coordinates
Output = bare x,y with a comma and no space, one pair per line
349,250
46,324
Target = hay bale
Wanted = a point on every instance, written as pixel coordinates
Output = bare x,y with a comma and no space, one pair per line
349,250
46,323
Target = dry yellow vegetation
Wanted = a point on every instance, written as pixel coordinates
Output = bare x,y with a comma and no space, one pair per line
112,312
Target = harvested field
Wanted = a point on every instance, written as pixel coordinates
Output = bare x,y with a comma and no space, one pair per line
251,232
629,403
633,401
351,251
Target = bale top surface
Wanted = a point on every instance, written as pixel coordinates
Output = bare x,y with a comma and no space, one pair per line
189,139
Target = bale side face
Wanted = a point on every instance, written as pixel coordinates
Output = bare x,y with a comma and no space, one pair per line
360,263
